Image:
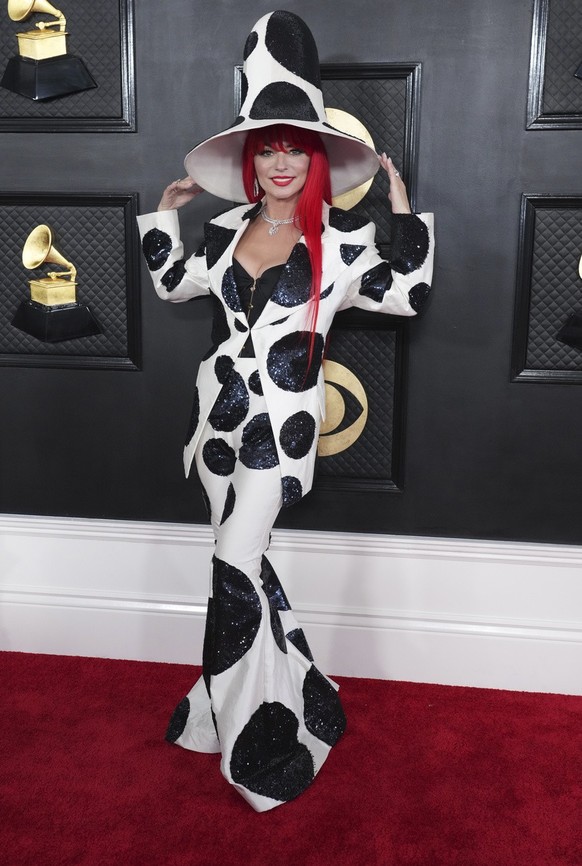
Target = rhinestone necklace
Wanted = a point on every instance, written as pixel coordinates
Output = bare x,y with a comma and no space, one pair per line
276,223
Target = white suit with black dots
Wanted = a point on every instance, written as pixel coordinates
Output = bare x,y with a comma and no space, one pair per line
253,434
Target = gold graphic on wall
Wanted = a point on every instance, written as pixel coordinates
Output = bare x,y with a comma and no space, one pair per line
60,287
43,68
52,313
43,42
348,123
331,439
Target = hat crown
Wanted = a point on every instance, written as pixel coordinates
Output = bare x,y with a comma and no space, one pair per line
281,78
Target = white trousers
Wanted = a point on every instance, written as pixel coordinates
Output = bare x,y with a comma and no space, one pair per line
261,701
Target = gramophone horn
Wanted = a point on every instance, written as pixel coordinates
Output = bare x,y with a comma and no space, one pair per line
19,10
38,249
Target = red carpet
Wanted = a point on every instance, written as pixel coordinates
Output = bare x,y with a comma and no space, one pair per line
425,776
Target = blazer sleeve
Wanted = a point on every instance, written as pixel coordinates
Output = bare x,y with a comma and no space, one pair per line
399,286
175,278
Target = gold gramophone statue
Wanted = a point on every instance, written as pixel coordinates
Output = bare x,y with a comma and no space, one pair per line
52,314
43,69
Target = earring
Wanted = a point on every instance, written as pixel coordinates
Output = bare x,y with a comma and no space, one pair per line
256,187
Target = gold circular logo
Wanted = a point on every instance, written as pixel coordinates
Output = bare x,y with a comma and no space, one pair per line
348,123
332,440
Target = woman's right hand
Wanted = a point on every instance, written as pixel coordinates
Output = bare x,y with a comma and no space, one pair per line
179,193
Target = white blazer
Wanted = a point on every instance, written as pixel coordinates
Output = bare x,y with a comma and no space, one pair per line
353,274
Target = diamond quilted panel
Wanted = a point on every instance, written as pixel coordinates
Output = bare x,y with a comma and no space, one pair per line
370,355
380,104
562,91
93,239
556,288
94,36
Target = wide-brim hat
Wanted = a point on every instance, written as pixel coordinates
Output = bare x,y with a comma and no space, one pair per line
281,83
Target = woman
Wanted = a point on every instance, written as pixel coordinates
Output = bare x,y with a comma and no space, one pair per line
278,268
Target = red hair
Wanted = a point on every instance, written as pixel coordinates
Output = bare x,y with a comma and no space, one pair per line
317,189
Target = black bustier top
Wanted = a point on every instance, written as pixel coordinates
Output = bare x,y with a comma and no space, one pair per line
254,295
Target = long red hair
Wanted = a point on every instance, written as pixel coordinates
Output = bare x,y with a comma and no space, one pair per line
317,189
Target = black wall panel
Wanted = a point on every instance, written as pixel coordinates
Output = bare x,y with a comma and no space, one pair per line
483,456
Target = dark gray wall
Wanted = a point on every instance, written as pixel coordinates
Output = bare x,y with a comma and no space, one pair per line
483,457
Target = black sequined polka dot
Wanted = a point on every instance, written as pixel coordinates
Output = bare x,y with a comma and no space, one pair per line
208,644
291,490
410,243
240,326
217,240
237,616
250,44
294,284
194,416
219,457
178,721
287,361
418,295
223,367
326,292
174,276
346,221
280,100
206,500
350,252
267,757
297,435
376,282
232,404
220,329
230,291
289,40
324,716
280,321
258,449
229,504
298,639
156,246
255,383
277,601
244,87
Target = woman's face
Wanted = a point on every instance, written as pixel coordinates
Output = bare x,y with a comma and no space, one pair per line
282,173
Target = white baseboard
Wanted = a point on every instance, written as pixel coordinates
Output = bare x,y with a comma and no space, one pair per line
455,611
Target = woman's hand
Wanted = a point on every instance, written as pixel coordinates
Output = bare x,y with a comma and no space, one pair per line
179,193
397,195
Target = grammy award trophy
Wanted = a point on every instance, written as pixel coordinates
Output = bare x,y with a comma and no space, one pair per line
52,313
43,69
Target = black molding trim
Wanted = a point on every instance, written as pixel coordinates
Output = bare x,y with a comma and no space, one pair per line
129,203
519,373
536,118
127,122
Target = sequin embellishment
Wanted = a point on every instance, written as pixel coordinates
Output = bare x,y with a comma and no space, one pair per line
324,716
297,435
237,616
178,721
258,449
156,246
267,757
410,243
287,361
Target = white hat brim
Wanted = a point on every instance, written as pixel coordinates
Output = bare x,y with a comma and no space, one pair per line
216,163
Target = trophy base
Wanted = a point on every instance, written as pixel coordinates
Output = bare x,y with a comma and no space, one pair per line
571,332
55,324
47,79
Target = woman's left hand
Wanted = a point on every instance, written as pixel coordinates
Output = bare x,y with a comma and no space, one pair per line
397,195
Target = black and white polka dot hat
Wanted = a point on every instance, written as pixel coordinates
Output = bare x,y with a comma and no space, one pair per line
281,83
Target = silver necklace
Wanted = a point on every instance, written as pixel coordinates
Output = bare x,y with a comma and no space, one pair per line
276,223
